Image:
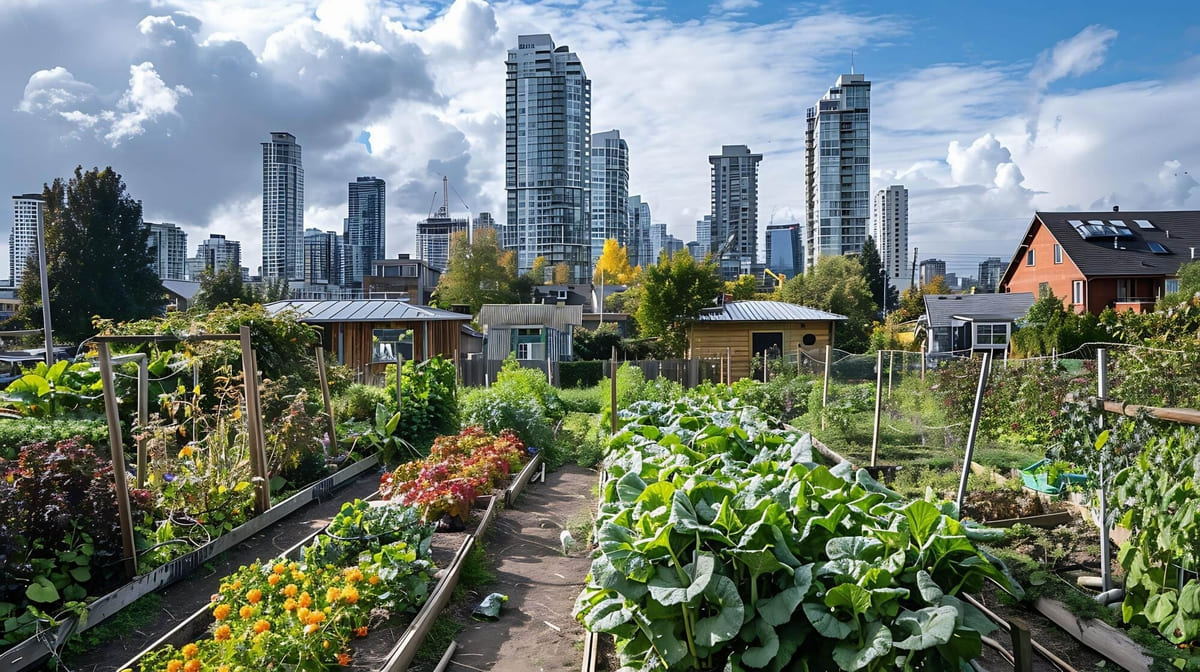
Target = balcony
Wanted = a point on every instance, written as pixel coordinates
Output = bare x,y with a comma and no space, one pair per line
1136,304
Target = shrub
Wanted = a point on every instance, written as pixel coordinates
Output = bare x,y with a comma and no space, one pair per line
587,400
358,402
784,397
504,407
580,374
429,405
17,433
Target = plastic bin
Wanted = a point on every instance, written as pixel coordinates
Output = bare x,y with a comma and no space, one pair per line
1036,477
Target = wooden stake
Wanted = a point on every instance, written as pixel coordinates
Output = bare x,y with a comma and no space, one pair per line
729,363
891,364
399,370
124,513
1022,646
922,362
323,376
143,418
825,385
878,405
613,401
254,426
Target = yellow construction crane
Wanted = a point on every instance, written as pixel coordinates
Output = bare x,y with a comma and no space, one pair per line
779,277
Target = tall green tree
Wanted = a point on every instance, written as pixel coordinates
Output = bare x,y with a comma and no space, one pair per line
837,285
477,272
673,292
97,263
912,302
745,288
885,294
220,287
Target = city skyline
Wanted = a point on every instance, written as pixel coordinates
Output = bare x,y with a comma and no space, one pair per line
1045,114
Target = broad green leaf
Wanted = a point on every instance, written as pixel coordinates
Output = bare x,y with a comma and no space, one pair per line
858,548
923,520
605,575
877,642
930,591
778,609
667,590
765,652
629,488
81,574
666,640
757,561
683,517
722,594
42,591
925,628
824,619
1160,607
849,596
607,615
653,496
615,542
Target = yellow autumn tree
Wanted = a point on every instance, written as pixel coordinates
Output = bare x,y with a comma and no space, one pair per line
562,274
612,267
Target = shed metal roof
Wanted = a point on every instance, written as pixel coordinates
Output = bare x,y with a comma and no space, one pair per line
940,309
765,311
364,310
560,318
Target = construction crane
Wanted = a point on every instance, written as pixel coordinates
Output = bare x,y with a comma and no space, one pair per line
779,277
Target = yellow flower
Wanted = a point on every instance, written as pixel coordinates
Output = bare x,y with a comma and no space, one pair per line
273,579
221,612
302,614
350,595
290,590
174,665
289,604
333,595
186,451
353,574
308,630
373,580
237,585
279,568
222,633
246,612
191,666
190,650
253,596
261,626
305,599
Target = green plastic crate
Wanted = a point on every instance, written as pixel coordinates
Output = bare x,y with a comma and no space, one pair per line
1036,477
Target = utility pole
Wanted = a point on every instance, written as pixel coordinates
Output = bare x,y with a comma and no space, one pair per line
912,280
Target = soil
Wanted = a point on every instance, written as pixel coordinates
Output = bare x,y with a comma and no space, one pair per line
182,599
1042,630
985,505
535,632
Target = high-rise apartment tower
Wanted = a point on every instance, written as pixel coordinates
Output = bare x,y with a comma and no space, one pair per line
283,209
167,244
610,191
837,170
22,240
548,134
889,228
734,199
214,254
367,220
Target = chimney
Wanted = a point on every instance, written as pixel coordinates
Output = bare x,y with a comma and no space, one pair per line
1116,208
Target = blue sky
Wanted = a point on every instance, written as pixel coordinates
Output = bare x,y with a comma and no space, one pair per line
986,111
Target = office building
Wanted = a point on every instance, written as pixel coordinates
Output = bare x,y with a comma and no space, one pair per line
698,253
930,269
610,191
704,235
484,221
548,134
656,241
889,228
282,209
434,232
990,271
673,245
734,200
402,278
22,240
167,244
638,247
323,258
367,219
837,170
214,254
785,253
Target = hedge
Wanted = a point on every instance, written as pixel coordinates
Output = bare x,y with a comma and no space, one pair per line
17,433
580,374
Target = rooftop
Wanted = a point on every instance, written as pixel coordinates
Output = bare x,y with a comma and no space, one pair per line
363,310
940,309
765,311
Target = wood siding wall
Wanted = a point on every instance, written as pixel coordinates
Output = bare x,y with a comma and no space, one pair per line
709,340
352,341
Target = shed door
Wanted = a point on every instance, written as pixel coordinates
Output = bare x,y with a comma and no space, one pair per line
770,342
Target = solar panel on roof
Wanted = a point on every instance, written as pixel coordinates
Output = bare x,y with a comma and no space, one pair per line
1143,223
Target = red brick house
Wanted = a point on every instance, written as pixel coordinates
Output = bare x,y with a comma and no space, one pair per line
1098,260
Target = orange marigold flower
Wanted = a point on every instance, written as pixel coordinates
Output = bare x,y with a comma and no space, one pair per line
237,585
261,626
253,596
222,633
223,668
353,574
333,594
343,659
289,604
290,590
309,629
316,617
273,579
221,612
246,612
305,599
174,665
302,614
191,666
189,650
186,451
279,568
373,580
361,631
350,595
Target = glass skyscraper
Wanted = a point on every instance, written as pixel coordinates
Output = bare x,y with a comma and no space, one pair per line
837,170
610,191
734,234
22,238
368,220
548,127
890,230
282,209
785,255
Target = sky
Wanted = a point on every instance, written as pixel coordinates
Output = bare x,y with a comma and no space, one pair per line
987,112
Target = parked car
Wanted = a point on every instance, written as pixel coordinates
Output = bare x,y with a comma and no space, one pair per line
13,365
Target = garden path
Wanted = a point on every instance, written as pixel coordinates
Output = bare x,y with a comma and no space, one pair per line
535,632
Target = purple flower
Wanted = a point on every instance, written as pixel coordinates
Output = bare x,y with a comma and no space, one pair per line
168,477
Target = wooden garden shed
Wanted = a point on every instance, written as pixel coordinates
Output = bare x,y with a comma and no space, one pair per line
368,334
741,330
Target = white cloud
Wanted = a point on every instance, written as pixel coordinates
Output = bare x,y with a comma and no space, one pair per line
147,99
54,91
1072,57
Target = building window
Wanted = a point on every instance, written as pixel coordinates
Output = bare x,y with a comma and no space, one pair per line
387,343
987,335
1077,292
1029,258
1057,254
1171,285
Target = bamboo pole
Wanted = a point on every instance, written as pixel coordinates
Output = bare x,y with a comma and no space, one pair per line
825,384
323,377
878,405
613,390
124,512
891,365
143,418
254,427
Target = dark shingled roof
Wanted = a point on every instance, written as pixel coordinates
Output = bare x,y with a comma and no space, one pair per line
941,308
1175,230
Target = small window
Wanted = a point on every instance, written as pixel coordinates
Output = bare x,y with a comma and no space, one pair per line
1171,285
991,334
1157,248
1077,292
810,339
1029,258
1057,254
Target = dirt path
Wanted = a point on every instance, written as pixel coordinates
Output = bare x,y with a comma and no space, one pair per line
535,632
182,599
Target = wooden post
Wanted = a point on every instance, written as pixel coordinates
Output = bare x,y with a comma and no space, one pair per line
457,372
891,363
922,362
878,405
195,391
825,385
613,392
799,358
399,370
323,376
254,426
973,432
1022,646
721,369
729,363
764,365
143,417
124,513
